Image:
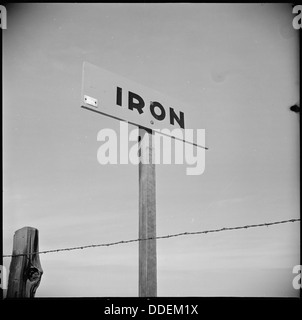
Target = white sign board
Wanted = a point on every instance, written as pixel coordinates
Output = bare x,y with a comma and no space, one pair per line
115,96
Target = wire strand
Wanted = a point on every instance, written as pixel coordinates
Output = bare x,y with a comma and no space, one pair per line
156,238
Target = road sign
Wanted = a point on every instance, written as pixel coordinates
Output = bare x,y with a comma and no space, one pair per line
115,96
112,95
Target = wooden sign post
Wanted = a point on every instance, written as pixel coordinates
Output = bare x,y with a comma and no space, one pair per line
147,217
114,96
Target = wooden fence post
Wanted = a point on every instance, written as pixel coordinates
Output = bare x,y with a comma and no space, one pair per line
25,270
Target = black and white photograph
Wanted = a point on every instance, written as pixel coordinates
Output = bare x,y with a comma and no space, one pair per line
151,150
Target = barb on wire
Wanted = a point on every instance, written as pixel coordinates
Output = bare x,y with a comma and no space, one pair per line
156,238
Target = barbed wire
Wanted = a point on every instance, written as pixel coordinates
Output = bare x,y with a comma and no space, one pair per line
155,238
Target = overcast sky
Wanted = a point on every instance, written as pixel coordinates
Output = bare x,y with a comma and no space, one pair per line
235,65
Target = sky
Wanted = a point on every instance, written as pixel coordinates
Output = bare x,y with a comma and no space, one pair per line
235,66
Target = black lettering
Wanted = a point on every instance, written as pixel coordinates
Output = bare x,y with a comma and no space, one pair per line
180,120
119,96
162,115
139,105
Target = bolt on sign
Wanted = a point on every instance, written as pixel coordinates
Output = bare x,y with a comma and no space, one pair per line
115,96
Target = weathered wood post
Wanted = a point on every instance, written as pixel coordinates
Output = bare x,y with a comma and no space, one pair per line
147,217
25,270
